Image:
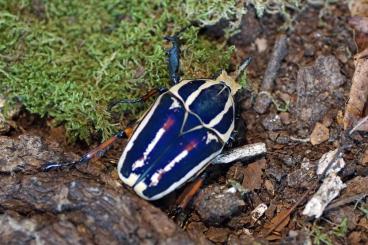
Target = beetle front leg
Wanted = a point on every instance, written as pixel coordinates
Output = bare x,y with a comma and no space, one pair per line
174,59
94,153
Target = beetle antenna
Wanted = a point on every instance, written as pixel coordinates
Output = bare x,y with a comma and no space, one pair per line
243,67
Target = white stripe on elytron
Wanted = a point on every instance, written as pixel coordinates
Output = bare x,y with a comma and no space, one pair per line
130,181
190,174
156,176
135,135
140,188
140,162
217,119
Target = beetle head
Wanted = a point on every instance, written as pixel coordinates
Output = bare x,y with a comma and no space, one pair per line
229,81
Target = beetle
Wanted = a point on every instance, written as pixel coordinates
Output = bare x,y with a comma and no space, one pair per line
175,140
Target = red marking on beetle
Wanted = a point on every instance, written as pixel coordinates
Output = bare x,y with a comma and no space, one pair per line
192,144
168,124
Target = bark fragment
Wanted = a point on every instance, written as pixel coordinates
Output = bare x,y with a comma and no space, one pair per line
359,90
69,207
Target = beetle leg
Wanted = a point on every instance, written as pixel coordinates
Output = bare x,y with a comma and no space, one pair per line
96,152
149,94
180,213
174,59
190,191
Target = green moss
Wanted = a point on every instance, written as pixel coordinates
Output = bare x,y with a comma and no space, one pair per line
68,59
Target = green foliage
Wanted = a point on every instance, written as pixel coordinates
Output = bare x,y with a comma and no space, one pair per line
341,229
364,209
68,59
322,237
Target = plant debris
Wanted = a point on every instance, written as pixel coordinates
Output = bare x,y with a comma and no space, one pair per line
330,188
358,91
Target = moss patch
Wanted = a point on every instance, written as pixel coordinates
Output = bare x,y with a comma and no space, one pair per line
68,59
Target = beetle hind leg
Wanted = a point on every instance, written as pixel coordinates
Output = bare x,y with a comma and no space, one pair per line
94,153
180,212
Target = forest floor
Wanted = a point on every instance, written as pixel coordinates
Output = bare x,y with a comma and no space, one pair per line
302,123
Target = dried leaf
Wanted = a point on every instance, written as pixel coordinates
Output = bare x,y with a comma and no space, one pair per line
277,219
359,90
359,8
253,175
361,125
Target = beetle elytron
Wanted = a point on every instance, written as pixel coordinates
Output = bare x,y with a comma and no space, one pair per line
176,139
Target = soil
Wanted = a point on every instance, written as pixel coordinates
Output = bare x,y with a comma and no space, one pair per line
89,205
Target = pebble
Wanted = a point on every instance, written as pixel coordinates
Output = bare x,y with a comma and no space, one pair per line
272,122
214,205
319,134
217,234
262,102
285,118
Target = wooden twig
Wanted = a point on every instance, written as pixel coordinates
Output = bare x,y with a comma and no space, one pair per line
278,54
345,201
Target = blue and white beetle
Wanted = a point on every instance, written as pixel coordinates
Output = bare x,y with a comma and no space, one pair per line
176,139
179,135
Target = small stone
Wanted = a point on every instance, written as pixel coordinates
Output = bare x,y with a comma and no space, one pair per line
276,173
285,118
320,134
214,205
269,187
309,50
297,238
364,160
262,103
217,234
289,160
302,176
261,44
272,122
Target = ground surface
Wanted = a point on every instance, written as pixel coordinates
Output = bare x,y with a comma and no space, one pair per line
90,205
